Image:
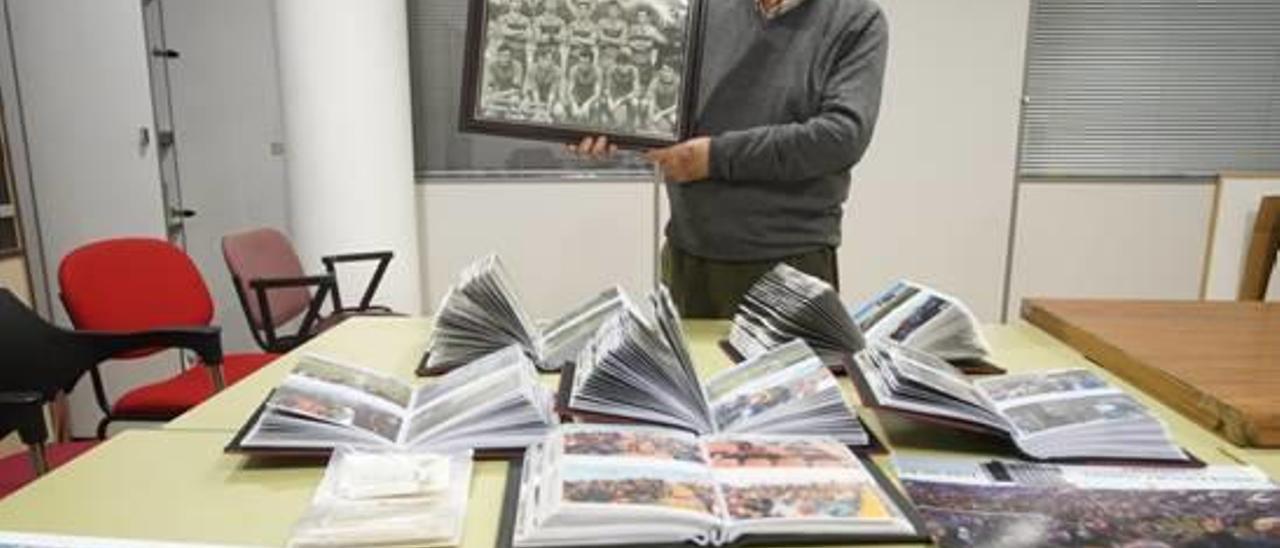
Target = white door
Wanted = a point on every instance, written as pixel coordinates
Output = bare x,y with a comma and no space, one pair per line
85,106
225,97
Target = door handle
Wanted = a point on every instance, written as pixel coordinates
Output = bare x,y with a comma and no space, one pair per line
182,212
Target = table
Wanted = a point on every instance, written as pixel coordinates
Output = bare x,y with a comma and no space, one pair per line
1215,362
176,484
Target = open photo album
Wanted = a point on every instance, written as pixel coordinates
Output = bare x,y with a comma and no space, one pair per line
1050,415
925,319
786,304
589,485
634,371
495,403
481,314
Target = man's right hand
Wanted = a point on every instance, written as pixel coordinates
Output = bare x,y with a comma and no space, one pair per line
595,147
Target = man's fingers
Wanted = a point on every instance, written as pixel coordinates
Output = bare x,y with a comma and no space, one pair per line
600,146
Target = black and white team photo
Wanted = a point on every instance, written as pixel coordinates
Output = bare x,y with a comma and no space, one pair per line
613,66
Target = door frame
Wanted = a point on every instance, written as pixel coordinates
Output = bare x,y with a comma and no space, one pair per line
20,171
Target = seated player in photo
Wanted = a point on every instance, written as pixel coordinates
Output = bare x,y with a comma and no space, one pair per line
503,83
622,92
613,26
542,85
582,88
662,99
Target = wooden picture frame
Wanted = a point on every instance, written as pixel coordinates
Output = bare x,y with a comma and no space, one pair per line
549,70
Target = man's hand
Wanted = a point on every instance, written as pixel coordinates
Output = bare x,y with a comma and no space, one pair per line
595,147
684,162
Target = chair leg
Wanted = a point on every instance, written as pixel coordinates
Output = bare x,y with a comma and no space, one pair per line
219,381
39,460
102,427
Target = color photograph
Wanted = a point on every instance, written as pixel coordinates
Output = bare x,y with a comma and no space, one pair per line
1037,417
1023,386
672,487
331,409
383,387
632,442
815,499
758,452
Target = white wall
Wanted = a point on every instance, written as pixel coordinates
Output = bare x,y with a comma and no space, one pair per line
561,242
1138,240
930,201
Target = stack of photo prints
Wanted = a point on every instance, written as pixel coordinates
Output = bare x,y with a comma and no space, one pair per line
481,314
588,485
1063,414
638,372
786,304
560,69
969,502
495,403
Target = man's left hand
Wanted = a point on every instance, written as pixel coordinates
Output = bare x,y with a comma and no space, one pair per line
684,162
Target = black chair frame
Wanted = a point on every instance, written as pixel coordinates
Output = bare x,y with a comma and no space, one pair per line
44,360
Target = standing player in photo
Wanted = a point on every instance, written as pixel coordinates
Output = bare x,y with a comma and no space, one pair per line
622,92
613,25
583,88
582,29
515,28
644,38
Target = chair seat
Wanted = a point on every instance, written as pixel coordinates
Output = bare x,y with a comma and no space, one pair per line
16,470
172,397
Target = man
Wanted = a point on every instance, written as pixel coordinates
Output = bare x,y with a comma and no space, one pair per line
621,90
788,99
584,89
543,85
662,98
503,83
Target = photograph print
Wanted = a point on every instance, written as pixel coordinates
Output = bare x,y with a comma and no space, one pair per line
560,70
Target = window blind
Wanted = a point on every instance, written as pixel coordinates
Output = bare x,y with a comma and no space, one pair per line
1151,88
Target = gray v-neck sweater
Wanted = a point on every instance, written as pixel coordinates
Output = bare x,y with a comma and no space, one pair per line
790,104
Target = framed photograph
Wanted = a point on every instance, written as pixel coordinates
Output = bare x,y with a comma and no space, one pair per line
558,70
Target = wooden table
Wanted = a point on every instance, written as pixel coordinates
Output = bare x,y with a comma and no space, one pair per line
176,483
1215,362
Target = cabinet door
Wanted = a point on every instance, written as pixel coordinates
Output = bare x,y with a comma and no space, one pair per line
85,104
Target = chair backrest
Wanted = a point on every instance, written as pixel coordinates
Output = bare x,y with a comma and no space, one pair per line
39,357
133,284
1260,260
265,253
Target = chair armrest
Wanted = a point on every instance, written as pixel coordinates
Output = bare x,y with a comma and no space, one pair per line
324,284
204,340
28,409
330,265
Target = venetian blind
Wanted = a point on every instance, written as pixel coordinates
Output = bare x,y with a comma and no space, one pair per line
1152,88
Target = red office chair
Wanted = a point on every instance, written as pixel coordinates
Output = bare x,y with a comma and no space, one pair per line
41,361
274,290
134,284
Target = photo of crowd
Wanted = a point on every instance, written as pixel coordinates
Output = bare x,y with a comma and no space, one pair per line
637,443
332,409
747,404
1037,417
611,66
691,495
333,373
872,312
833,499
1016,387
932,306
959,515
777,453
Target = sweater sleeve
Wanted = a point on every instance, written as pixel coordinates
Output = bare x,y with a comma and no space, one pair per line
833,140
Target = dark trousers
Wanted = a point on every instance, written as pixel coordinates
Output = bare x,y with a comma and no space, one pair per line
707,288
